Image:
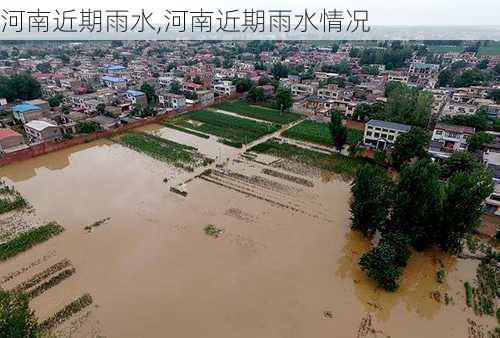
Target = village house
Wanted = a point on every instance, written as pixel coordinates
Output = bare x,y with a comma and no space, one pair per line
10,140
329,92
382,135
117,83
225,88
302,89
170,100
447,139
27,111
205,97
136,97
42,131
451,109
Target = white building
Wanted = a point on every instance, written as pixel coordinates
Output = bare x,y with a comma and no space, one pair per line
381,134
447,139
225,88
42,131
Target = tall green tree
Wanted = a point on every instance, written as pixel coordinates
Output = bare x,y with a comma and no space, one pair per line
463,204
418,201
338,130
283,99
150,92
371,199
413,144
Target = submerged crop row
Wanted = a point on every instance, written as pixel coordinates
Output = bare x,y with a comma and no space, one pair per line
29,239
10,199
177,154
340,164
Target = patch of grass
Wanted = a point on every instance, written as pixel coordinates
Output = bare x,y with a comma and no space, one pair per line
468,294
338,163
74,307
177,154
10,198
319,133
231,128
28,239
256,112
53,281
213,231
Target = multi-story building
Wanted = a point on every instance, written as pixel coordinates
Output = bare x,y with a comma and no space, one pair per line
382,134
447,139
42,131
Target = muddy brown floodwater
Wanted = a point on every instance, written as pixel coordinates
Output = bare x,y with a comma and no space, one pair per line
285,265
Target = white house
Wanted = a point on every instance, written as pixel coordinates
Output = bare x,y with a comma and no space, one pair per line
381,134
447,139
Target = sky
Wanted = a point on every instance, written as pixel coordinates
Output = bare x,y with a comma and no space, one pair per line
381,12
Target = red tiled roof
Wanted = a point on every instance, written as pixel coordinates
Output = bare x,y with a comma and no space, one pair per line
6,132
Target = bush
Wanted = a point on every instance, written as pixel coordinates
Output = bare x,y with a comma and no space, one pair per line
16,318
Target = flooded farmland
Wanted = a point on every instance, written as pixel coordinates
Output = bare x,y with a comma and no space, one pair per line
285,264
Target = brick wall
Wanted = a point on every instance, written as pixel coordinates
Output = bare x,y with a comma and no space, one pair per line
49,147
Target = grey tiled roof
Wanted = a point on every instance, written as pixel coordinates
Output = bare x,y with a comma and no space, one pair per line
389,125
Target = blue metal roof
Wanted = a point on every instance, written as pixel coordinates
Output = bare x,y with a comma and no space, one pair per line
116,67
135,93
24,107
113,79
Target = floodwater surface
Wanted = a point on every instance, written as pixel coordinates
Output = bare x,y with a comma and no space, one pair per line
285,265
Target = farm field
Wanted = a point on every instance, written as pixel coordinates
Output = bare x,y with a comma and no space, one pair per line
232,130
318,132
258,112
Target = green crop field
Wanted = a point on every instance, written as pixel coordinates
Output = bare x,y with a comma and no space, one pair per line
319,133
257,112
233,130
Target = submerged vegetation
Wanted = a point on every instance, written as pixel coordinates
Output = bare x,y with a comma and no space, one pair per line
337,163
74,307
174,153
96,224
212,231
28,239
10,199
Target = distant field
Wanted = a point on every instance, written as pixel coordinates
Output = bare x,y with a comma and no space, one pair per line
233,130
493,48
317,132
338,163
445,49
260,113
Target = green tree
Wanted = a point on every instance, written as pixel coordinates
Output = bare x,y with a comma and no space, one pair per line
87,127
478,139
479,120
279,71
242,84
338,130
150,92
256,94
20,86
460,161
101,108
410,145
371,199
283,99
16,318
418,200
175,87
55,101
384,262
494,95
463,205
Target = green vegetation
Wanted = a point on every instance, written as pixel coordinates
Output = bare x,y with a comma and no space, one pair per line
429,204
87,127
338,163
16,318
19,86
468,294
384,263
260,113
410,145
69,310
213,231
53,281
317,132
440,276
28,239
228,127
177,154
10,199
